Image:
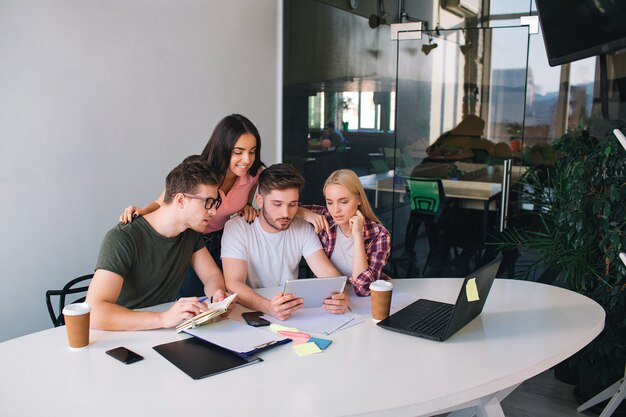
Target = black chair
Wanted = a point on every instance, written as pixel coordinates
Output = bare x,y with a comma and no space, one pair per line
393,271
480,155
68,289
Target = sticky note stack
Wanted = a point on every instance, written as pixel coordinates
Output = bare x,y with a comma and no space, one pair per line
304,344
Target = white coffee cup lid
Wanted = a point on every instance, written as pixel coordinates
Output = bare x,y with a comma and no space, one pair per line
381,285
76,309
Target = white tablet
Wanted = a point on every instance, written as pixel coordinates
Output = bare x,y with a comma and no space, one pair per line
315,290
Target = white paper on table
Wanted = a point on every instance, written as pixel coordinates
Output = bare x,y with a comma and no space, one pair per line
236,336
355,320
314,320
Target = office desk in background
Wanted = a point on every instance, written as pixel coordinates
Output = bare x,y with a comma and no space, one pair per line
478,193
525,328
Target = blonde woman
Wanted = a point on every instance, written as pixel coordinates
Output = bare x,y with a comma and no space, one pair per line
352,236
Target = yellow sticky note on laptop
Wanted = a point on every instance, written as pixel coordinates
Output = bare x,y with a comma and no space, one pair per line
306,349
471,290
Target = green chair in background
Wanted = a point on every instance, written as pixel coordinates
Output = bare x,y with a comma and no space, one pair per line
391,158
407,161
379,166
428,202
340,149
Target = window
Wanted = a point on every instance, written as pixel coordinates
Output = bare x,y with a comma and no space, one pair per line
353,110
316,111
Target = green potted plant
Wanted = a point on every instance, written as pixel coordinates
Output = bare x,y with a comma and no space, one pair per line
346,104
577,233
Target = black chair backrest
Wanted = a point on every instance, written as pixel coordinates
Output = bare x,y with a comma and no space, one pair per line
57,317
480,155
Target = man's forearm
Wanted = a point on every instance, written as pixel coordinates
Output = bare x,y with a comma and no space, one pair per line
247,297
110,316
213,284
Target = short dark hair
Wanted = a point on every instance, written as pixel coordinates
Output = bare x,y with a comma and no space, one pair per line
186,177
280,177
330,124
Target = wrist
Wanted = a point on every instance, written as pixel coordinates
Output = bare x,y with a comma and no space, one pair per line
160,320
266,306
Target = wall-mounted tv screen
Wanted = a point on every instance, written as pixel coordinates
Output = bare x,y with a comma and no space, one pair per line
576,29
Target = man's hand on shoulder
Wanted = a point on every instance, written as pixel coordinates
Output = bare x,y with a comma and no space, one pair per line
282,306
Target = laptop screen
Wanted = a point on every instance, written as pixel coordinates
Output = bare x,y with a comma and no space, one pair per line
472,296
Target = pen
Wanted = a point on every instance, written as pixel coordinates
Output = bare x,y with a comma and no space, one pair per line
203,299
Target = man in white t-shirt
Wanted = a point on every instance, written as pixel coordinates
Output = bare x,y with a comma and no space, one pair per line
267,252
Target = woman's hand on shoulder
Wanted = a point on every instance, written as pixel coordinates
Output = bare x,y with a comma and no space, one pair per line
130,213
318,221
249,213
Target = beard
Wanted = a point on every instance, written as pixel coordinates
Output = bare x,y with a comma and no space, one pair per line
275,223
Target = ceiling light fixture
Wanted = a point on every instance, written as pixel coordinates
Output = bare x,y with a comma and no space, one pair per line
427,48
380,18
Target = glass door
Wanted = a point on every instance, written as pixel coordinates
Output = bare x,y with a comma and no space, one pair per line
460,105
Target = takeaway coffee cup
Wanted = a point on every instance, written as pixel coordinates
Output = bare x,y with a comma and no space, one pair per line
77,324
381,299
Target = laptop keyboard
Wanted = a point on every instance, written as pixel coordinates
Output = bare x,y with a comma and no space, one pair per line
434,322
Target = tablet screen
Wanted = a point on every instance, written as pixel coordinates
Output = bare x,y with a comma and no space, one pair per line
315,290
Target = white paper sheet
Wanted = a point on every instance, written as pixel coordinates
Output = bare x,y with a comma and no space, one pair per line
314,320
235,336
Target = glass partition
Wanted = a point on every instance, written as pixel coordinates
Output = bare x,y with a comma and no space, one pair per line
461,100
452,107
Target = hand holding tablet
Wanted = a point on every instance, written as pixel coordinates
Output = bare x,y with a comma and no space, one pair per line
283,305
314,291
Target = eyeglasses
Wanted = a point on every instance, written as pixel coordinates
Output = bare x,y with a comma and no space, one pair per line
209,202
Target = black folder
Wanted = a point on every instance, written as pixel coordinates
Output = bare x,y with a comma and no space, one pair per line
200,359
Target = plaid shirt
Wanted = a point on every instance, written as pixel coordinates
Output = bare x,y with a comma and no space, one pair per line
377,247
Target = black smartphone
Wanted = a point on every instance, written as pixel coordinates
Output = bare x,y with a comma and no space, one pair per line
253,318
124,355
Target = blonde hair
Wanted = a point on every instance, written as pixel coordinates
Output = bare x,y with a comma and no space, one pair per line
349,179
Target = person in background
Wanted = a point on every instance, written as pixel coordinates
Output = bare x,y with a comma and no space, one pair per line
334,135
268,252
142,264
352,236
233,153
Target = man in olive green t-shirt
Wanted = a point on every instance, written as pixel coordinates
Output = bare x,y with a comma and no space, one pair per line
142,263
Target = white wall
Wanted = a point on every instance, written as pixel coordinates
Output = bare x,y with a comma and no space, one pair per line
99,100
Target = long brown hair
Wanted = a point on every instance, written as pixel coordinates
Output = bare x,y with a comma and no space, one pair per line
349,179
220,146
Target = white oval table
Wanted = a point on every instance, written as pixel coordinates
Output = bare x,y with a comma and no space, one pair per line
525,328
